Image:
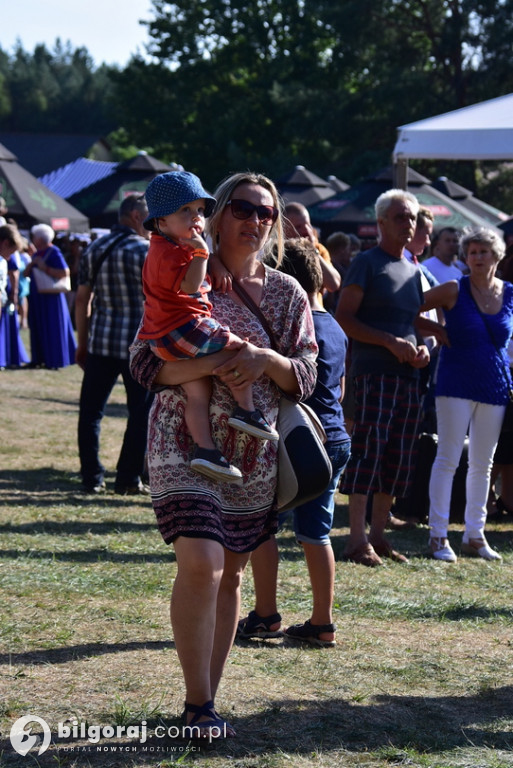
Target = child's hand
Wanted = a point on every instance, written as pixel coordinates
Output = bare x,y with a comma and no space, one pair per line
221,278
194,243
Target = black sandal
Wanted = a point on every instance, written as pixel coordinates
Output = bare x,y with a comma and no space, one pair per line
310,633
254,625
213,728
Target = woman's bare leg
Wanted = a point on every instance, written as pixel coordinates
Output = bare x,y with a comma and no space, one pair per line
204,612
227,614
193,612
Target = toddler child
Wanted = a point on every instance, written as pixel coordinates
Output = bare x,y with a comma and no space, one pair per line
177,319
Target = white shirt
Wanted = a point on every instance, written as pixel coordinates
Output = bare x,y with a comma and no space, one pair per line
431,314
441,271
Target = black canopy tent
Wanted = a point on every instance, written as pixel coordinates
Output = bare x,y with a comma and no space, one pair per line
303,186
352,211
467,199
30,202
101,200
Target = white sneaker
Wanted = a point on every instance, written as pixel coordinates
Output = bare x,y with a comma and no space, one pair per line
479,548
442,550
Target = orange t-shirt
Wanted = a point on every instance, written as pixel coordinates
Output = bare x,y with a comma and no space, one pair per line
166,307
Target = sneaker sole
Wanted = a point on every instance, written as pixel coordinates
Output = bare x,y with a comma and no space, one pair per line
216,473
266,634
241,426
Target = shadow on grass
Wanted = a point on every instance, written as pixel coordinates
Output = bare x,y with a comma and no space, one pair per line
49,487
425,724
88,556
391,724
114,410
76,652
76,527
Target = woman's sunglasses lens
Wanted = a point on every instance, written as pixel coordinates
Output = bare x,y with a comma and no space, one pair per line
243,209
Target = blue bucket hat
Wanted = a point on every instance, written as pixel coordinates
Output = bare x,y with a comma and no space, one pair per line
167,193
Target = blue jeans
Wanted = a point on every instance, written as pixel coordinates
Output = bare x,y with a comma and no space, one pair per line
100,375
313,521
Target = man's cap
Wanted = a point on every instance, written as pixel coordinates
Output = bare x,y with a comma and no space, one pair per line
167,193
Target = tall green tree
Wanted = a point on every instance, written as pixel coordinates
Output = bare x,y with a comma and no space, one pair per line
55,90
276,82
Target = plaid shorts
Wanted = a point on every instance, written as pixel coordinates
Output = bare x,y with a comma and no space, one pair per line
383,443
199,337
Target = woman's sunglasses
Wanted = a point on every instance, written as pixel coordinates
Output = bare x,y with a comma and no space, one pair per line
243,209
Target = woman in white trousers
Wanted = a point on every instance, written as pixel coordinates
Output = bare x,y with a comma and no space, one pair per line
472,389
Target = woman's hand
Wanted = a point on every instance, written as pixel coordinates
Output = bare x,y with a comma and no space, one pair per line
421,358
38,262
244,368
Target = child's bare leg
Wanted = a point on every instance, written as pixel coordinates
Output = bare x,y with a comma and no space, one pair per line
196,413
244,397
207,460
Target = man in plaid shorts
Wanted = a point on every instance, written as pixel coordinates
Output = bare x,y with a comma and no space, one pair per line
378,307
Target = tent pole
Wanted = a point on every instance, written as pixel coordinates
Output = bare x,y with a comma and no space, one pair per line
401,173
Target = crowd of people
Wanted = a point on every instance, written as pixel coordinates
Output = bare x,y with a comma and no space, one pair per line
232,303
394,318
26,303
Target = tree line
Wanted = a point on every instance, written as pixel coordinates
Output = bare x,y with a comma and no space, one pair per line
228,84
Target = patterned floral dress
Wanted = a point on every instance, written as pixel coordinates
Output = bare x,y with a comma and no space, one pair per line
188,504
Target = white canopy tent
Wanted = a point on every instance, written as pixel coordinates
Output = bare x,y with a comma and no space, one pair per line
482,131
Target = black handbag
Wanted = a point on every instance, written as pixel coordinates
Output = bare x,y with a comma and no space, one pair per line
304,467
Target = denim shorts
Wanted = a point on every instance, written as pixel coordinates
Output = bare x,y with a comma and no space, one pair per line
313,521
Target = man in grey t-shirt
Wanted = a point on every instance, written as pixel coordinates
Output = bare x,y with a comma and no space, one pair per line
378,307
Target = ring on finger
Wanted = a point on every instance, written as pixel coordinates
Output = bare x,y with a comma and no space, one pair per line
236,374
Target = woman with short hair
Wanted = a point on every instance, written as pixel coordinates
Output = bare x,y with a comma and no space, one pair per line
472,389
52,339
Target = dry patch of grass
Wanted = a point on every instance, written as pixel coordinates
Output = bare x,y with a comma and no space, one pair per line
422,674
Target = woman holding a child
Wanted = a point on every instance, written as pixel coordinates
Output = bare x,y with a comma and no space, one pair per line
215,526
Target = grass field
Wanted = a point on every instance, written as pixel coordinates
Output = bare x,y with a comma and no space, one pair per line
422,674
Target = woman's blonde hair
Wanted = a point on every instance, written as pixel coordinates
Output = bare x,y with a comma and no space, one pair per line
224,194
11,234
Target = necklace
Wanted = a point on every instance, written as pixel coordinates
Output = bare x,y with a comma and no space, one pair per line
488,296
